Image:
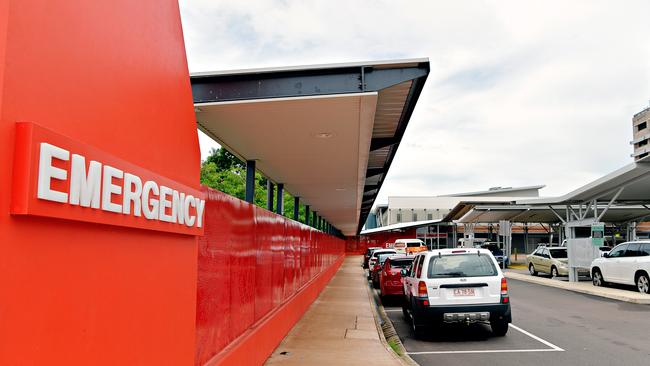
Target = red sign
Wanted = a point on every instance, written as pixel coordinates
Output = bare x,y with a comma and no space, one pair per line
55,176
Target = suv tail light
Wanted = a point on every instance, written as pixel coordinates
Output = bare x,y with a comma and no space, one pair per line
422,289
504,291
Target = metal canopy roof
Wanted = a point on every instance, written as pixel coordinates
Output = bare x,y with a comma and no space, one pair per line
633,178
535,214
400,226
272,116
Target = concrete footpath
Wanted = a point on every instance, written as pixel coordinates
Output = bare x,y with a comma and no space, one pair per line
584,287
338,328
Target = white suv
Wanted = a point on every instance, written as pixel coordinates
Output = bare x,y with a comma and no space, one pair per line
627,264
456,286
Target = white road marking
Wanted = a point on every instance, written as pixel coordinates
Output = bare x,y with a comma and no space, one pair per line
553,348
392,310
549,344
484,351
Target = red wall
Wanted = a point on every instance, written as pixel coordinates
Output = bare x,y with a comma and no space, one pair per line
359,244
254,266
111,74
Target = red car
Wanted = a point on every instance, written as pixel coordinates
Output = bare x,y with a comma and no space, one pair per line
390,279
375,264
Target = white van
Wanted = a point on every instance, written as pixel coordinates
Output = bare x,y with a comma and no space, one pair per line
409,246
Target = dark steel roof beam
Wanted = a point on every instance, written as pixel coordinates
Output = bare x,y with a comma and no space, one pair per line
298,83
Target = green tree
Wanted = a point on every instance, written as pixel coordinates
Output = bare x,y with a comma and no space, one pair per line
225,172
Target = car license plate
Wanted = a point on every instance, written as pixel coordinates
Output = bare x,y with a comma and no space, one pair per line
463,292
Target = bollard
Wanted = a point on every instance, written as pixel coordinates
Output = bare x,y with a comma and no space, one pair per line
515,254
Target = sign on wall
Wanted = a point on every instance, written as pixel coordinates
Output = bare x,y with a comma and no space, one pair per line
55,176
598,234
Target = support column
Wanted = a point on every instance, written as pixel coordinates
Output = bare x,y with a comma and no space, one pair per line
526,238
280,203
314,216
307,216
270,188
454,235
296,208
250,181
570,233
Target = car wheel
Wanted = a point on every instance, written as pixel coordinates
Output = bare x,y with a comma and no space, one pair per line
418,329
531,269
499,327
554,272
643,283
405,310
597,278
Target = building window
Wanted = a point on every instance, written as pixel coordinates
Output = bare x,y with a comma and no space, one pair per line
643,143
399,217
643,155
415,216
642,126
429,216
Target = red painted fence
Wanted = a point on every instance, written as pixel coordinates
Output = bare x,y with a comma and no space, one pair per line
355,245
255,268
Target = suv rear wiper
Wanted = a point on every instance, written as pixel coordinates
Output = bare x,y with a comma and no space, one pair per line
462,274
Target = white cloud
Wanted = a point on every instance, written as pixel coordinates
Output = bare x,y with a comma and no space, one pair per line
520,92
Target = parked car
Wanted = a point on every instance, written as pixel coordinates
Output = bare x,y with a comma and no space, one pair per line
496,252
377,266
367,256
390,277
409,246
550,260
626,264
375,256
456,286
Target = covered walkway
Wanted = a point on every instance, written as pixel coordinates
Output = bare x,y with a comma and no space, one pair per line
341,323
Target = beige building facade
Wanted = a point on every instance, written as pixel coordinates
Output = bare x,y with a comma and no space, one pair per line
402,209
641,134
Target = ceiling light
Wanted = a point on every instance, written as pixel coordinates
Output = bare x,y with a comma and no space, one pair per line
340,189
324,135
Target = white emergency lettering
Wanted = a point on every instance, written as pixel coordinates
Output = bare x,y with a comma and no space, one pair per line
150,212
85,187
99,186
47,172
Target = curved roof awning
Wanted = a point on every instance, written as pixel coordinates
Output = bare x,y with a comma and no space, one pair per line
327,132
632,180
486,214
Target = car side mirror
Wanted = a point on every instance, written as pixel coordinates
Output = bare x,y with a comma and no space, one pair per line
605,255
404,272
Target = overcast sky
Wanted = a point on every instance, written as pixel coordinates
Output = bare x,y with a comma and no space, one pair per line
520,92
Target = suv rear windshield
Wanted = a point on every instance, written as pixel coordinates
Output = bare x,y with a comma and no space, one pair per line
558,253
461,265
401,263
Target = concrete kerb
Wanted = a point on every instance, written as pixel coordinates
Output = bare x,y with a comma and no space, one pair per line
585,288
387,332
